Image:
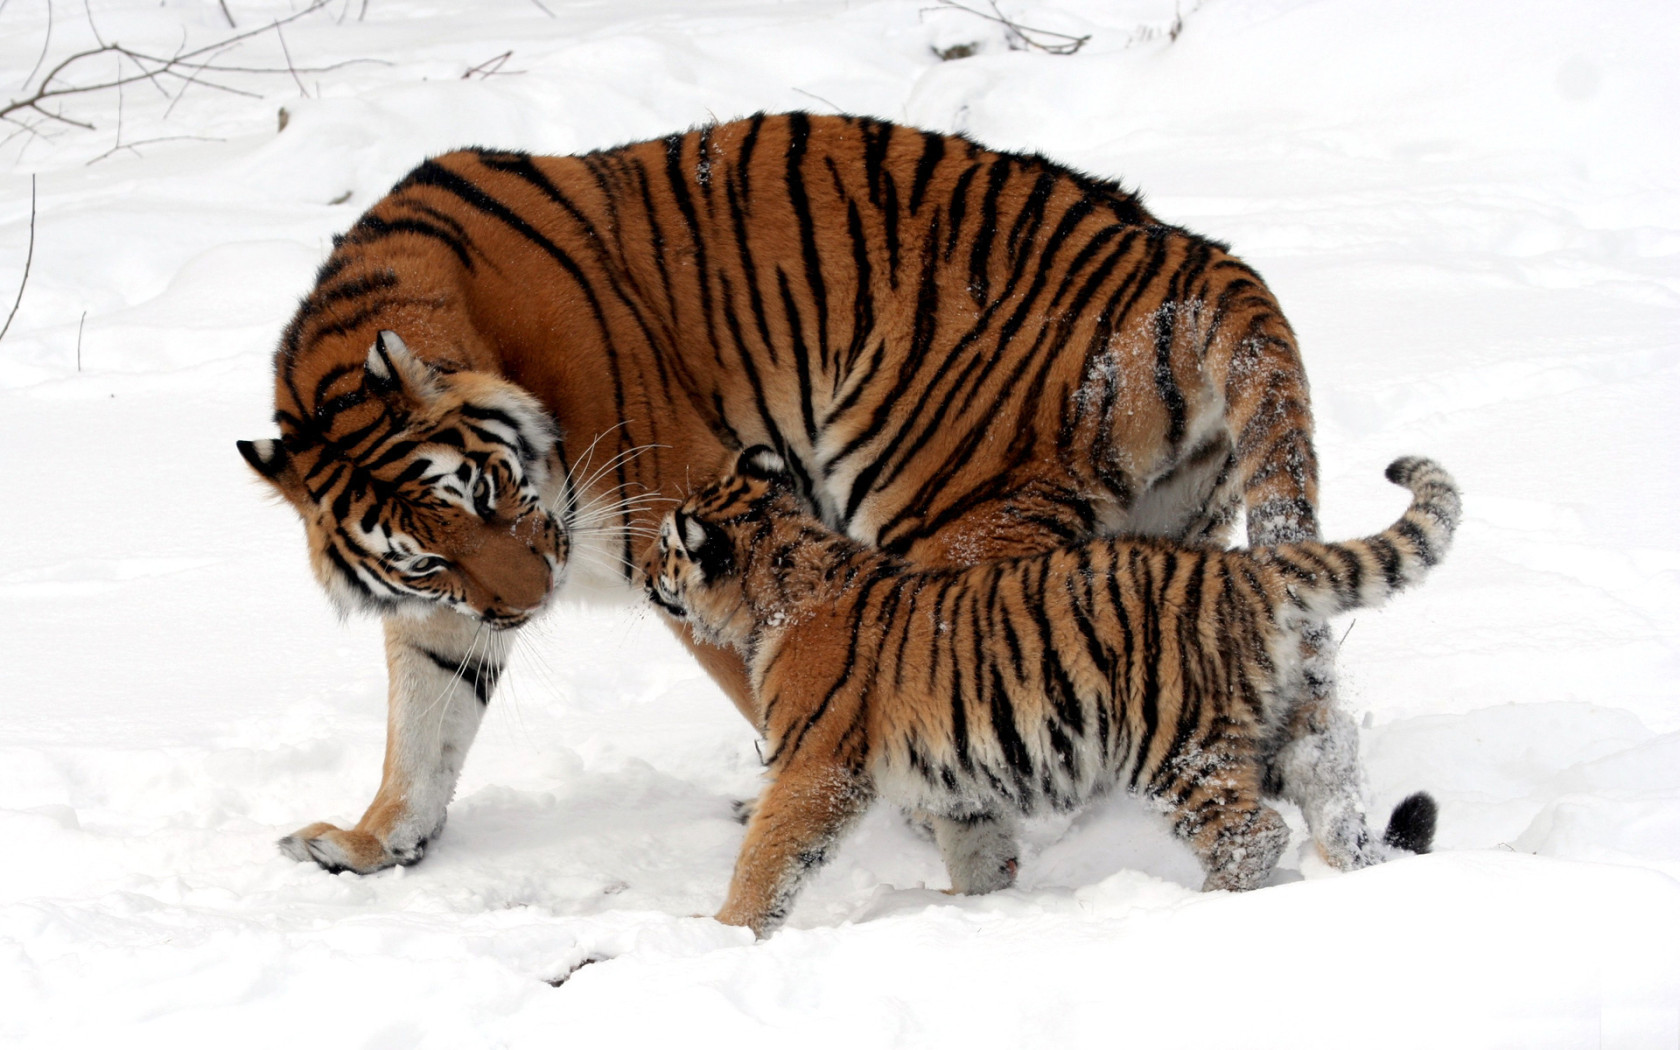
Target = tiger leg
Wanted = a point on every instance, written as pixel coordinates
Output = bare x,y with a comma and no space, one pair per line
1215,806
1318,768
801,816
442,670
979,850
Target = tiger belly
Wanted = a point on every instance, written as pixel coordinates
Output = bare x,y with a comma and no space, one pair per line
979,770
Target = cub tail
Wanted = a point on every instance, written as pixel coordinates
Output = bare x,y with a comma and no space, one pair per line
1329,578
1411,827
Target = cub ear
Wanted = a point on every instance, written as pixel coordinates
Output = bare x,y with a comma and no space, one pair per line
694,534
392,367
763,462
271,461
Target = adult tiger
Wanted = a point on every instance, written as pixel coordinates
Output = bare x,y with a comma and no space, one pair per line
961,354
1020,685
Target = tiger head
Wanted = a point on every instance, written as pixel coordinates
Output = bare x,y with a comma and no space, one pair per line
698,570
422,488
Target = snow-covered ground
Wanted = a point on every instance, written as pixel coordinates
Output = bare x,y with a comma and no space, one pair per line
1470,211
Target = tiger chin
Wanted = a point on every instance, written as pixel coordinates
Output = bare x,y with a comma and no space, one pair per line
1023,685
438,503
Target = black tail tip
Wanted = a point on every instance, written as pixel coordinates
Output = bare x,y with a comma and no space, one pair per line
1412,825
1401,470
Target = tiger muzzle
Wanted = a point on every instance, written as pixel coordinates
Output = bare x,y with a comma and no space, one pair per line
512,572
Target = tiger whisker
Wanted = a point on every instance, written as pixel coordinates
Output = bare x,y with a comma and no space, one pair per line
644,499
441,701
596,522
619,460
589,453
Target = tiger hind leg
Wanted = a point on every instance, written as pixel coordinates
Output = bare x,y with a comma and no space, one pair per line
1243,850
1318,766
980,851
1216,808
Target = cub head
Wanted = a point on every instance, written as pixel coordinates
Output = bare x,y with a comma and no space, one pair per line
695,572
421,489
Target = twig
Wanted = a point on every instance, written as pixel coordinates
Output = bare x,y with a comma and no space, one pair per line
284,50
44,45
79,326
491,67
228,15
1171,31
134,146
187,66
121,94
88,10
1021,36
819,98
27,260
540,7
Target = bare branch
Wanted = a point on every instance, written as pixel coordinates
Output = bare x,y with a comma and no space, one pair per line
1022,37
185,65
88,9
284,50
44,45
492,67
228,15
27,260
133,146
819,98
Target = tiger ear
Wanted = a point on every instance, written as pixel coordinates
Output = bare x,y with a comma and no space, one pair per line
694,534
763,462
272,462
391,367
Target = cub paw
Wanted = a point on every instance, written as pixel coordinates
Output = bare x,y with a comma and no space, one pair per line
336,850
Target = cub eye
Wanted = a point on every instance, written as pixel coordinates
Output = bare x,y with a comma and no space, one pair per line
426,565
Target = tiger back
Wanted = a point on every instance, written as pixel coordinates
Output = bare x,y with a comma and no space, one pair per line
1023,685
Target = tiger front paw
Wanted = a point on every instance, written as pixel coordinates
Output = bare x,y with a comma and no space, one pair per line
336,850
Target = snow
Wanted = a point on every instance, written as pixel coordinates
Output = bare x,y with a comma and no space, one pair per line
1471,214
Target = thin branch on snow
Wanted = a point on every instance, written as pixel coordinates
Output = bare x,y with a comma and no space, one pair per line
45,44
28,259
87,9
284,50
819,98
134,147
491,67
1020,37
187,67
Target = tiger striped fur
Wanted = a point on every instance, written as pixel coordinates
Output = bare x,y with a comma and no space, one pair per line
961,354
1021,685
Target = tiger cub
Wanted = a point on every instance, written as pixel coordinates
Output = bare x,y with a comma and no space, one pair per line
1019,685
